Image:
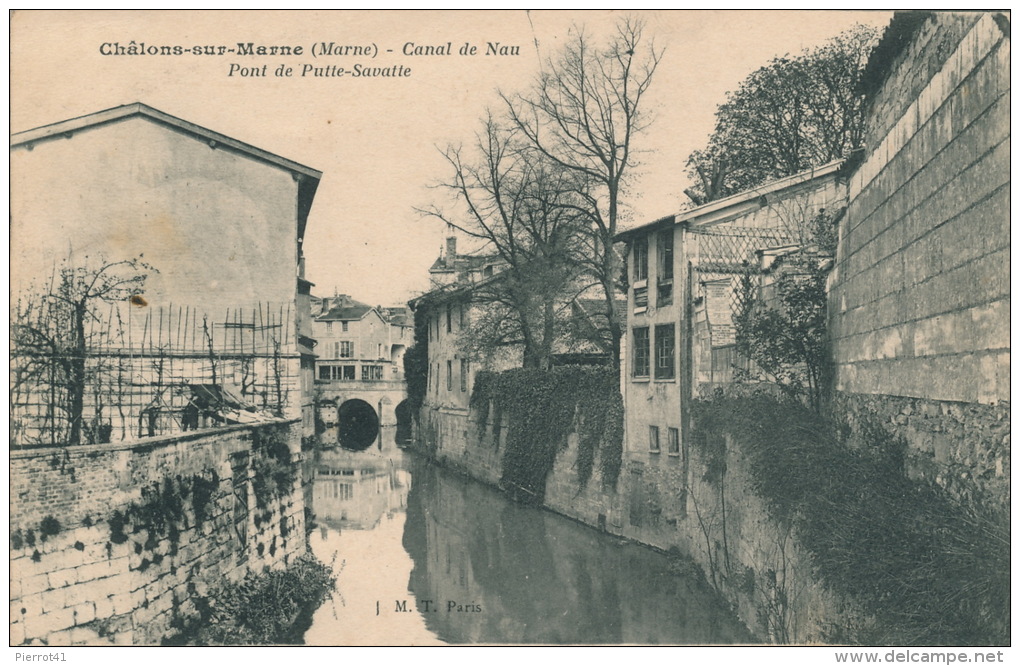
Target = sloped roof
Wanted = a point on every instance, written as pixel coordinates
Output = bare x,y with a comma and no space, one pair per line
399,316
462,262
347,310
713,211
307,177
65,128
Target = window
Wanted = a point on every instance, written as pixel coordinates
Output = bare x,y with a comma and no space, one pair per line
673,442
371,373
449,318
460,312
641,259
449,375
464,367
343,349
640,366
337,373
664,250
379,350
665,351
329,327
343,326
653,439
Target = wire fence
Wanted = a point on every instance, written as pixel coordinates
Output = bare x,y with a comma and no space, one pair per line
130,371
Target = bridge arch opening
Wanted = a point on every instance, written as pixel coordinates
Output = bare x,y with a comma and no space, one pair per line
357,425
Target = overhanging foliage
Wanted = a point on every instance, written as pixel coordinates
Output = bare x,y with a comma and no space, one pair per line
930,570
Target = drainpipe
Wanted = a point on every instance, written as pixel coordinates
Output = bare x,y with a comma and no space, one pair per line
687,333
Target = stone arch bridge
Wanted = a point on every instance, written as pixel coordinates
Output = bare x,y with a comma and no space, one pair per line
343,407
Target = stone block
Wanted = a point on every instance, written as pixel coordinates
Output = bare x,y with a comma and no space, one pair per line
53,600
124,637
59,638
55,621
17,633
127,602
33,584
103,608
63,577
29,605
84,613
95,571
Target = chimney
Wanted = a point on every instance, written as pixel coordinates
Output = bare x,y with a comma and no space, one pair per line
451,251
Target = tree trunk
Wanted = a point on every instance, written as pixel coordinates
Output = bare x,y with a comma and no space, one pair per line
76,380
548,332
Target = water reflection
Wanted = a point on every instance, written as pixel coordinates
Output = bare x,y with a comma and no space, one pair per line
425,556
540,578
359,500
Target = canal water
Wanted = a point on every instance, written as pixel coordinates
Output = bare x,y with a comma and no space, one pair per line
424,556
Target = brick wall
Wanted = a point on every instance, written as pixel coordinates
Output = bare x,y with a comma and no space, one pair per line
919,297
97,582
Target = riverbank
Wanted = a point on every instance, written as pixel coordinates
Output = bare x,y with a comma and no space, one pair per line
709,502
271,608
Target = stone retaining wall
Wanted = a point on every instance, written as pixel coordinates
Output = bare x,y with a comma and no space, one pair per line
675,504
110,542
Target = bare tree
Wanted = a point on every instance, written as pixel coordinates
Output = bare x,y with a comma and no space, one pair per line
50,333
583,115
524,209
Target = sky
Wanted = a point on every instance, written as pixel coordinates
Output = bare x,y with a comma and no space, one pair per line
377,139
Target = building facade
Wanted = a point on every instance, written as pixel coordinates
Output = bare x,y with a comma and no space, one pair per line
360,363
684,275
217,225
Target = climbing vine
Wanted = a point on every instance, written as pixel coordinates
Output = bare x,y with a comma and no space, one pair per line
273,472
542,409
416,361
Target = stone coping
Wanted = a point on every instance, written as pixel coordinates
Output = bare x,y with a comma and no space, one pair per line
147,442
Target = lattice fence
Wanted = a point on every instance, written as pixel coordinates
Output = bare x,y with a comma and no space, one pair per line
143,371
724,257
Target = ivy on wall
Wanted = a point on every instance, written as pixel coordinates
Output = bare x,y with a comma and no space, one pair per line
542,408
416,361
273,471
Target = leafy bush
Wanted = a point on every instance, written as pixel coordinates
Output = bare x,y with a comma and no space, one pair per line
263,608
930,570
